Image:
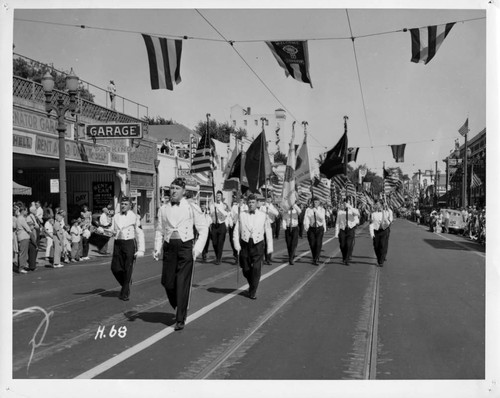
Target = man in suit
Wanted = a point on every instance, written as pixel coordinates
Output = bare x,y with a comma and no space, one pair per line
251,229
315,227
128,245
380,230
175,236
345,229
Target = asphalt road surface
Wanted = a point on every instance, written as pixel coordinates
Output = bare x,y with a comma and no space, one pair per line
421,316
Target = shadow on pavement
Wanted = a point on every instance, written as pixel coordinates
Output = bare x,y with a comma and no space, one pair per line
220,290
445,244
165,318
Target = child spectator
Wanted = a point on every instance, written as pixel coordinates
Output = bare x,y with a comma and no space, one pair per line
49,235
75,232
66,243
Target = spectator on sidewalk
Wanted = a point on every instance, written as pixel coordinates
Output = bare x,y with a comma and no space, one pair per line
15,243
49,237
32,221
23,232
75,233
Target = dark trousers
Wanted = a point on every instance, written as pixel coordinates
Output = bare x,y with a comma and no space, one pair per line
176,274
381,244
205,249
122,263
32,254
315,239
85,247
346,242
291,239
251,255
218,239
277,227
231,241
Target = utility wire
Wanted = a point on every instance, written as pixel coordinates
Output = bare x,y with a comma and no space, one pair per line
360,85
255,73
185,37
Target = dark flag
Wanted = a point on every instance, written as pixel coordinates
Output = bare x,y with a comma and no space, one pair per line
293,57
352,154
398,152
335,158
257,165
234,174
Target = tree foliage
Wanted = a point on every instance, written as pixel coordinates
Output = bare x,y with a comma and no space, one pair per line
280,157
35,71
158,120
220,131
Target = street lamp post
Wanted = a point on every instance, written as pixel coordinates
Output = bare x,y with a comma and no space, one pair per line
60,109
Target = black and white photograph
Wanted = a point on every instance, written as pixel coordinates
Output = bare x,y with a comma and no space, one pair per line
222,199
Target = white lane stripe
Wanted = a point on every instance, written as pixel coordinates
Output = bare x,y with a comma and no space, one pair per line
106,365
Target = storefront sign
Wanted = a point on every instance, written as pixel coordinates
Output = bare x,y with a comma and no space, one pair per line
22,141
143,157
115,130
81,198
134,193
149,194
54,185
33,121
75,151
102,194
194,146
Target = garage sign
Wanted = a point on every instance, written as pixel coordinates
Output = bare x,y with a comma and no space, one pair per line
114,130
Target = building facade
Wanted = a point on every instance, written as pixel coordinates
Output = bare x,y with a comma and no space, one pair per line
96,170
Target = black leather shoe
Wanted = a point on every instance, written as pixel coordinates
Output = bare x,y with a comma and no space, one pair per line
253,296
179,326
290,262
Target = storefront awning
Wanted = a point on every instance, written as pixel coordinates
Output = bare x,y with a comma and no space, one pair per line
19,189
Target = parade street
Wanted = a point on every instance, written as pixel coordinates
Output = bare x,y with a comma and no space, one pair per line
420,316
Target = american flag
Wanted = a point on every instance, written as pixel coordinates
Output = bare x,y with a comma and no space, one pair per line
475,180
465,128
203,159
344,185
304,190
391,182
276,186
426,41
396,200
322,191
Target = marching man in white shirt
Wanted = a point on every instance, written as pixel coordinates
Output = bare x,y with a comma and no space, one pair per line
219,212
175,237
345,229
290,223
129,245
271,212
250,231
315,227
381,220
236,209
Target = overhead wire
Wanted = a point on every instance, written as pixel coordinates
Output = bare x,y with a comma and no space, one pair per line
254,72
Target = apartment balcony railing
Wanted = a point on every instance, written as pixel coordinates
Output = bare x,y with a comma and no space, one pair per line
31,93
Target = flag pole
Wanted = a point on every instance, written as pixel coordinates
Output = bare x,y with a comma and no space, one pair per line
465,190
345,145
211,170
305,124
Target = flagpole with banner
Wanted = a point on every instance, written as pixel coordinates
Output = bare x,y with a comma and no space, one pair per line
212,171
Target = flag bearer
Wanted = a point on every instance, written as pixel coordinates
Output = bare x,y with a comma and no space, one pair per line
219,212
272,213
290,223
379,231
345,229
315,227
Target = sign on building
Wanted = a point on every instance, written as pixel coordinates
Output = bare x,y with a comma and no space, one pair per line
54,185
114,130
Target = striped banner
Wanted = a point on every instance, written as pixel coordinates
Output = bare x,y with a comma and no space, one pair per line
164,56
293,57
345,185
475,180
322,192
465,128
391,182
304,191
426,41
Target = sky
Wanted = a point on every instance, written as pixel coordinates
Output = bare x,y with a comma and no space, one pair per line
404,102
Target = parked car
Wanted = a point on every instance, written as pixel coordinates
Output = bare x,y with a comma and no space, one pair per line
456,224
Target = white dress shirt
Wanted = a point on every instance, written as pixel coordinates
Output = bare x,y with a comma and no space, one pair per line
349,218
254,226
315,216
235,212
222,212
180,219
128,226
270,210
291,214
380,220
